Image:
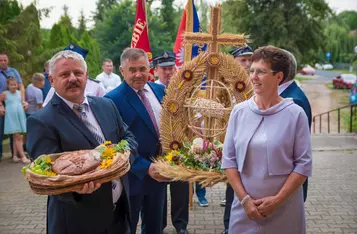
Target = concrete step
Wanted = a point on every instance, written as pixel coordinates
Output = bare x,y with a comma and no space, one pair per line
333,142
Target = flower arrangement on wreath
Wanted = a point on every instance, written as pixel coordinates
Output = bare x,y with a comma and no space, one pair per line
200,155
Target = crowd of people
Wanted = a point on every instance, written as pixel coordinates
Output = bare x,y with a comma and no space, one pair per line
267,164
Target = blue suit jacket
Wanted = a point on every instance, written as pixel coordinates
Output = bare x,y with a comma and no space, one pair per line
56,128
293,91
134,114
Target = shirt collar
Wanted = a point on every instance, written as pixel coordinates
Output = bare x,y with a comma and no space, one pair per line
6,70
159,82
284,86
70,104
146,88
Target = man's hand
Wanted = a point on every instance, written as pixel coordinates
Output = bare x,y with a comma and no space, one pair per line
267,205
2,110
153,172
88,188
252,211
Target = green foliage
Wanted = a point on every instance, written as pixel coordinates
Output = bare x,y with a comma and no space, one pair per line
113,38
82,24
9,9
24,31
93,58
102,6
349,18
295,25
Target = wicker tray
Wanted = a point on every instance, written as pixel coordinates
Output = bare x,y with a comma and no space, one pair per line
180,173
54,185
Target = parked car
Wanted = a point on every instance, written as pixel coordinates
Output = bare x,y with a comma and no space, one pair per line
307,70
344,81
323,66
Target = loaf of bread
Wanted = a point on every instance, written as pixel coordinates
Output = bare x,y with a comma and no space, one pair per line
76,163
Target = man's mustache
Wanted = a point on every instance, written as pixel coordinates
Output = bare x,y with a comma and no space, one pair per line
74,85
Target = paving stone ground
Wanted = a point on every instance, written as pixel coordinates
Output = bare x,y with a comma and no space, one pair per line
330,208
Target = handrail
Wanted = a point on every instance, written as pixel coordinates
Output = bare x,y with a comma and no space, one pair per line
352,107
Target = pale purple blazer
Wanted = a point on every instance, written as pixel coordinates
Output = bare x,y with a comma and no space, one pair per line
288,137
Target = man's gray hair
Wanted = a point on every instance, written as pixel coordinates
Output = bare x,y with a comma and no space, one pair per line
67,54
292,66
47,63
132,54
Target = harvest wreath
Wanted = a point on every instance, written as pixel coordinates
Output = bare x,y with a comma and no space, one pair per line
54,174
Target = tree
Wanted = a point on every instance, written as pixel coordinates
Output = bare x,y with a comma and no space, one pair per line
295,25
9,9
102,5
93,58
82,24
349,18
167,14
24,31
113,38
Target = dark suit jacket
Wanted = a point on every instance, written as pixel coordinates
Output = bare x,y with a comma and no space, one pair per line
137,118
56,128
293,91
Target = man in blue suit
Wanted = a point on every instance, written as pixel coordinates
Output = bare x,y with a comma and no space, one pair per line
139,103
62,126
289,89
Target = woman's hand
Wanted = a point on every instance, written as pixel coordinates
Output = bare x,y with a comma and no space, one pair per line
267,205
252,210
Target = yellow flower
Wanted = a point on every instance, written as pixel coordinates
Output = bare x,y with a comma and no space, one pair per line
50,173
108,153
48,160
169,157
107,143
106,163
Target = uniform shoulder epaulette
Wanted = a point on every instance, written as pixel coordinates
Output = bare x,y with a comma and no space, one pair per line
92,79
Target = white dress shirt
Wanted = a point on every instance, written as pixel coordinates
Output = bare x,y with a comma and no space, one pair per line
154,102
117,186
284,86
110,81
159,82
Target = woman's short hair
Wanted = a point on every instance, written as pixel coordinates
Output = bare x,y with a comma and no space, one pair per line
38,77
278,60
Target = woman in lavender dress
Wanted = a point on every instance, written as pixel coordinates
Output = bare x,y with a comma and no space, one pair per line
267,153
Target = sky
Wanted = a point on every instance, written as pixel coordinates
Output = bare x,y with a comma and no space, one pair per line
89,6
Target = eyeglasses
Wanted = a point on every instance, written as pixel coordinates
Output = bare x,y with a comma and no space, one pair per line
259,71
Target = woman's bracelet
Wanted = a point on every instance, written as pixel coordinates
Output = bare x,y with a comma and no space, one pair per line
244,200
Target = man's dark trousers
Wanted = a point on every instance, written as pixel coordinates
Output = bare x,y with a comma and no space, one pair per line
180,198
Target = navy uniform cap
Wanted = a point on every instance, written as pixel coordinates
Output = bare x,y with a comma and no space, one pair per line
241,51
164,59
77,49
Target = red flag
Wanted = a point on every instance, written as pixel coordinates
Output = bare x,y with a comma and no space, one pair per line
189,23
140,37
178,48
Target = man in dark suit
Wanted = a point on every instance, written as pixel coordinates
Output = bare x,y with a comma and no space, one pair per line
139,103
61,126
289,89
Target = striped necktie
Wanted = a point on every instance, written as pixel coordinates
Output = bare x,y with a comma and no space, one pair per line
149,109
81,111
